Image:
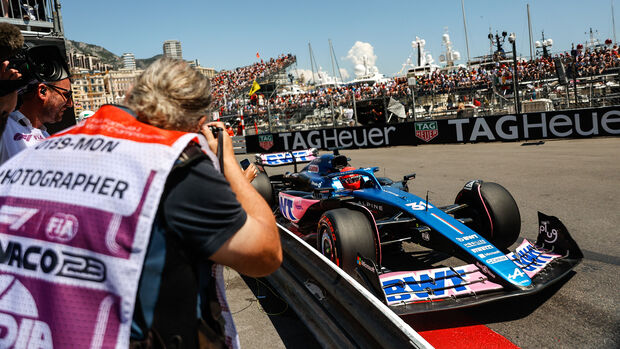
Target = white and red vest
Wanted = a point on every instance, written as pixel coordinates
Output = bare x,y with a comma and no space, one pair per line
76,213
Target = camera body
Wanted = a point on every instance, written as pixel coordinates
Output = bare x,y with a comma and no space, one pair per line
215,130
44,63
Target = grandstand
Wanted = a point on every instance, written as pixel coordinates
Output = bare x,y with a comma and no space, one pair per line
576,79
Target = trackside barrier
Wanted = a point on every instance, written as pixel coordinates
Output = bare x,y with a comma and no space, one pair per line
337,309
576,123
239,145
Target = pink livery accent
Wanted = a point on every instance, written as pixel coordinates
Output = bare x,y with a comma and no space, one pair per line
284,158
294,207
433,284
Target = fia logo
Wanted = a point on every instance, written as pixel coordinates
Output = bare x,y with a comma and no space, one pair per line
61,227
551,236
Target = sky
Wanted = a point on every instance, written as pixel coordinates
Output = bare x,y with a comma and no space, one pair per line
228,34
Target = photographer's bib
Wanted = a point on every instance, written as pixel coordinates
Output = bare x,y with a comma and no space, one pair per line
76,213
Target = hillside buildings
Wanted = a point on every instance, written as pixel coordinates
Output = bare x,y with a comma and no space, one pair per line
95,84
172,49
129,61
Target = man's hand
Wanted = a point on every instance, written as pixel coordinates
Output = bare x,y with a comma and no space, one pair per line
251,172
8,74
255,249
212,141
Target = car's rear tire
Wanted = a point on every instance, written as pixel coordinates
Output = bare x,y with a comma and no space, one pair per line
342,234
262,184
494,212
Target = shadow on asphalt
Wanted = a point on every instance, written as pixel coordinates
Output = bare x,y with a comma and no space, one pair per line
290,328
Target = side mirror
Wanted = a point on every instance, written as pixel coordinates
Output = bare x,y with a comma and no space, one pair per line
406,179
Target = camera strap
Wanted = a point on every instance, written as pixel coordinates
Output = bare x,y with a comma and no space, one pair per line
220,150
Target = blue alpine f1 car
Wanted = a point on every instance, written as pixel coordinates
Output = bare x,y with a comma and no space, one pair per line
360,221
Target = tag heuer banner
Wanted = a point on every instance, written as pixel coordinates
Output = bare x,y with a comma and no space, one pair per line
426,130
265,141
581,123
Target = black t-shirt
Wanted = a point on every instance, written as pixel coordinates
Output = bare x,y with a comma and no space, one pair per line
201,207
197,214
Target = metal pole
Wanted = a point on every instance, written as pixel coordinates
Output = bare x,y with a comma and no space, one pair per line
58,27
331,104
354,108
529,24
515,77
465,26
269,116
590,89
412,102
311,62
613,20
332,59
575,78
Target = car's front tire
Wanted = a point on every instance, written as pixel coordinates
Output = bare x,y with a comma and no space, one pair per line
343,234
494,212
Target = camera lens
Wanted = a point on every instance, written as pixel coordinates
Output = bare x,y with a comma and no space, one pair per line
47,63
50,71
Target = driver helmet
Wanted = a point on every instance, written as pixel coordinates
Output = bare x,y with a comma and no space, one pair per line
352,181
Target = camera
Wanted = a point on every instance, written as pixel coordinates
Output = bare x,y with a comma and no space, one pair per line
215,130
44,63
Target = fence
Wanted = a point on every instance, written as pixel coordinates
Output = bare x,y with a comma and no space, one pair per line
497,98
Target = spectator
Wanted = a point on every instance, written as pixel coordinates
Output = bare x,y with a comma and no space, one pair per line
168,229
11,40
42,103
202,216
26,9
230,130
8,98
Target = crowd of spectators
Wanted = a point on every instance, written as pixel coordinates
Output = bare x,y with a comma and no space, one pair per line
229,83
596,62
588,62
322,97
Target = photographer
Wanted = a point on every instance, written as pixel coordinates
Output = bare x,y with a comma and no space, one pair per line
42,103
11,40
39,77
157,216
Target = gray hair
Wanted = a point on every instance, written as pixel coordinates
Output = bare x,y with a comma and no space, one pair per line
170,95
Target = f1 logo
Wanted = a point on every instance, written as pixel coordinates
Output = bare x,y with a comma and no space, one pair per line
16,216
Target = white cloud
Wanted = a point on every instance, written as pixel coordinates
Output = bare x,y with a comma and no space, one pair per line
303,75
345,74
362,54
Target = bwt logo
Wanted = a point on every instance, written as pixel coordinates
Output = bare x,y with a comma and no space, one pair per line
18,317
61,227
286,207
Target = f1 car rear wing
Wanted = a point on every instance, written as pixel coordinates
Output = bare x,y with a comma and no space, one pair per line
287,158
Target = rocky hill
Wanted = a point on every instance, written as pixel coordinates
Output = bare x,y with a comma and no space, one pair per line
104,55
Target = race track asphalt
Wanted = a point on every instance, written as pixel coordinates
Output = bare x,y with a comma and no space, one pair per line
577,181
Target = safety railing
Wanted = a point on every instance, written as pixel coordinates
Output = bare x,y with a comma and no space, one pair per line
336,309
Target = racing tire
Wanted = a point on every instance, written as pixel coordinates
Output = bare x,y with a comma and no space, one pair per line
343,234
262,184
494,212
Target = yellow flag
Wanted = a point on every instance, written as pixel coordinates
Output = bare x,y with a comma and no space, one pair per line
255,87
